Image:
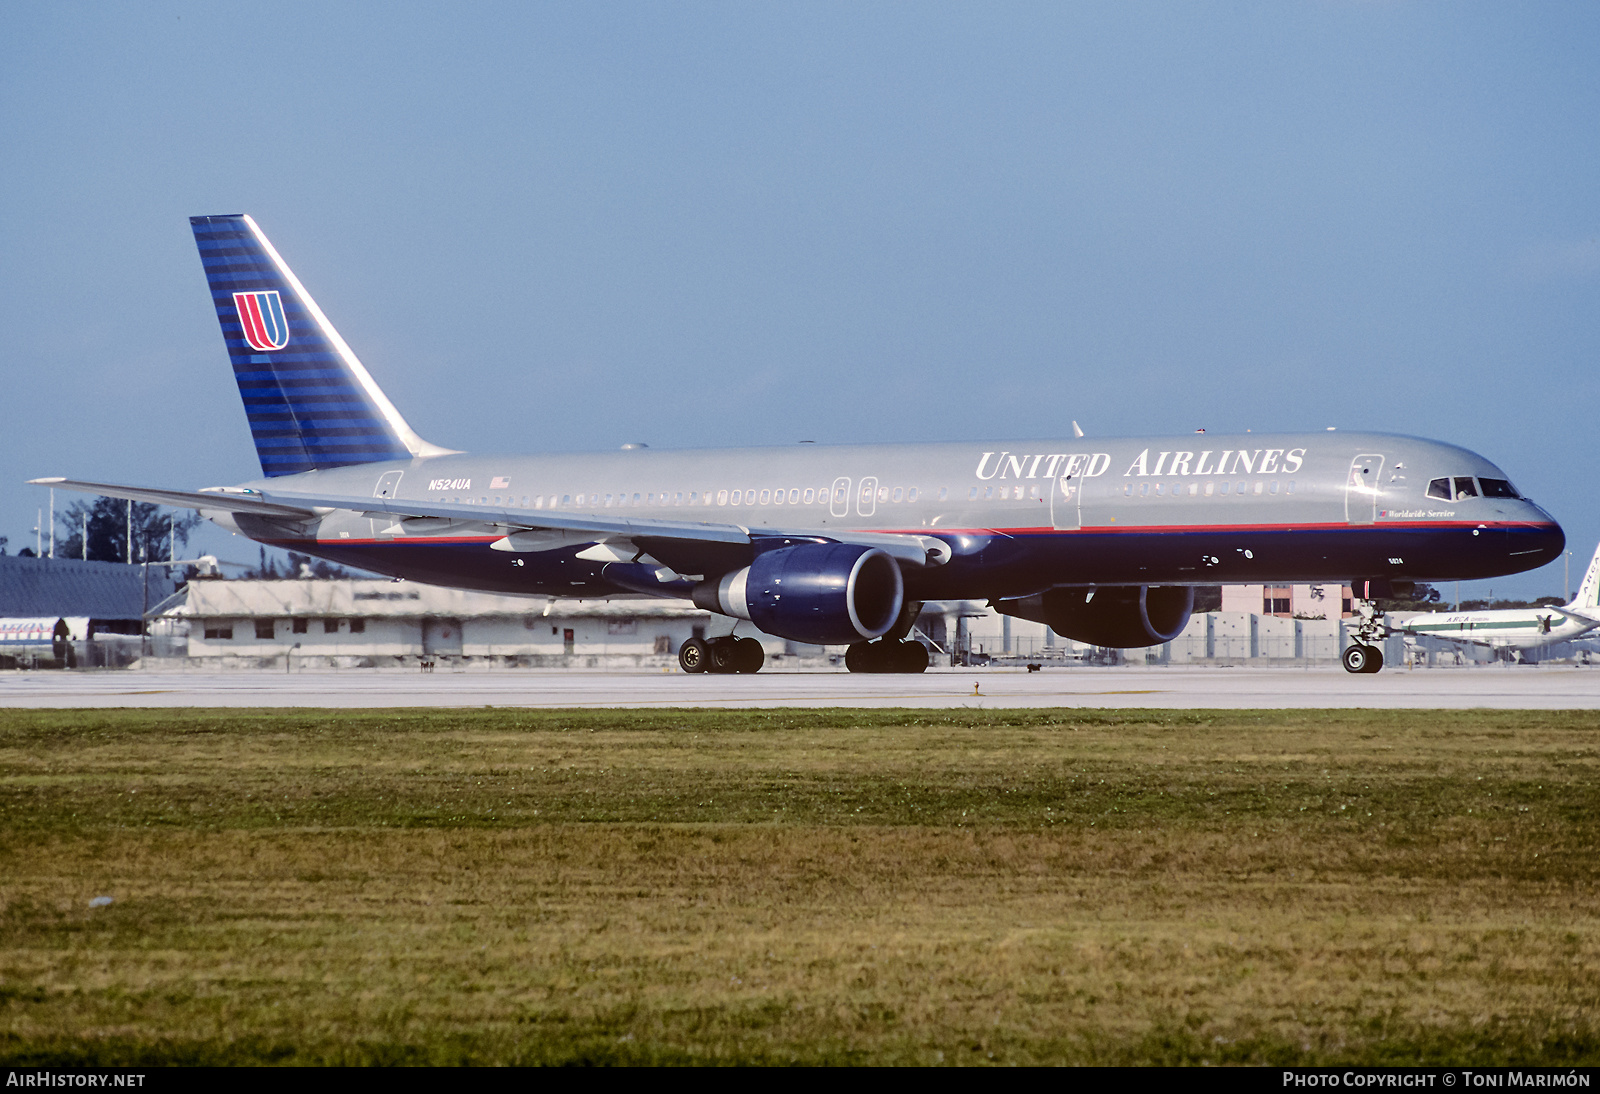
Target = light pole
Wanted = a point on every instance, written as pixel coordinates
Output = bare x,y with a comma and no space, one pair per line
144,613
1566,578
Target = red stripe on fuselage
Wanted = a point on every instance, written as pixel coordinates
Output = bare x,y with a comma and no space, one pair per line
1162,529
1149,529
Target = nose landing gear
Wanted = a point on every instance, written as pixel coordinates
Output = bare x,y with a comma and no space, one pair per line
1364,655
1362,658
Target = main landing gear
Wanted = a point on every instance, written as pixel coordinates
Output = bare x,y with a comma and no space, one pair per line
1364,655
726,654
886,656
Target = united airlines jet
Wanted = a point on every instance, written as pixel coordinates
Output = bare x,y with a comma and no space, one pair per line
1103,540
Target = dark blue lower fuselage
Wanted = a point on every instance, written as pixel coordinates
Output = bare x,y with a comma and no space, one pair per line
991,564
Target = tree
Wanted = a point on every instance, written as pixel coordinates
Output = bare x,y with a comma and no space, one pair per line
321,569
107,522
297,567
1423,598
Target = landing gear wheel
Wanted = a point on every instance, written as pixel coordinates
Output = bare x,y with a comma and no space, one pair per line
1360,658
723,655
911,657
693,655
886,657
751,655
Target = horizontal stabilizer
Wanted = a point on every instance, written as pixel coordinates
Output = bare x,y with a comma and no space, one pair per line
1576,617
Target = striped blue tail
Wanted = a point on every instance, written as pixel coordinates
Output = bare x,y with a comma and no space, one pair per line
310,402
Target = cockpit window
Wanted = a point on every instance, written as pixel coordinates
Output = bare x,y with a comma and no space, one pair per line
1465,488
1439,488
1498,488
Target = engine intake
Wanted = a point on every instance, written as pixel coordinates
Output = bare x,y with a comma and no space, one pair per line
820,593
1117,616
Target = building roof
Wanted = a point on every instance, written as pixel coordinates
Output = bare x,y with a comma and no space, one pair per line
395,599
71,587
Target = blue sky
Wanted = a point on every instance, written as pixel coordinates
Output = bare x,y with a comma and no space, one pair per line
551,227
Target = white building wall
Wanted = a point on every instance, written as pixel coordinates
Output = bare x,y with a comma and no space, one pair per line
381,622
1305,601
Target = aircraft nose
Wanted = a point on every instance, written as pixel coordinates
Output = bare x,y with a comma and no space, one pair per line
1536,540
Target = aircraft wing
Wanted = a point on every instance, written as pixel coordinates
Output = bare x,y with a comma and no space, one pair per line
236,502
524,530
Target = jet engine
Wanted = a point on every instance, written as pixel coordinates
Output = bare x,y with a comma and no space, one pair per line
1118,616
821,593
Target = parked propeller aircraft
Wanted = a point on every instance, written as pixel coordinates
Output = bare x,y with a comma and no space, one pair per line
1508,629
1103,540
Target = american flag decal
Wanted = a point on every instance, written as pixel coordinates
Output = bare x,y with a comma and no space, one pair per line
261,316
499,482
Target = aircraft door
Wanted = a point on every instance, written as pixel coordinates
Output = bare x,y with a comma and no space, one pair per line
839,503
1361,489
388,485
1066,496
867,503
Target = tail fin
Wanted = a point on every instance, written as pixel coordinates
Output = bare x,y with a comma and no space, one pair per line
310,402
1588,598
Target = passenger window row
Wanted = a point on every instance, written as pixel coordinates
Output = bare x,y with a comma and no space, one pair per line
1006,493
1205,490
791,496
889,495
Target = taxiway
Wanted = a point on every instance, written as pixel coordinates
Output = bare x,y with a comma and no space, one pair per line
1553,688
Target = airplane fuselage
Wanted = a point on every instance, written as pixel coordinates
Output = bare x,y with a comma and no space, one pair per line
1019,516
1502,628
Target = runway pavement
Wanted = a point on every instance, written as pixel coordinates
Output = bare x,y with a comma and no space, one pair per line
1504,687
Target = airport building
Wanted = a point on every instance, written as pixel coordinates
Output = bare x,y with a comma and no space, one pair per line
1289,601
69,611
354,624
215,623
1223,637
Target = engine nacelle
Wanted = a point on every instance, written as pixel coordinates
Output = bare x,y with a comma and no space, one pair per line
1118,616
820,593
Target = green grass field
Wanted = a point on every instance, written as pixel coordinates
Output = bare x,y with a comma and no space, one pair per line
799,886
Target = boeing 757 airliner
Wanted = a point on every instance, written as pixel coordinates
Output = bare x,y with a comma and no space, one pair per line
1103,540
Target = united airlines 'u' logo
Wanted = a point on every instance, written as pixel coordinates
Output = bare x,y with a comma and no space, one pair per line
261,315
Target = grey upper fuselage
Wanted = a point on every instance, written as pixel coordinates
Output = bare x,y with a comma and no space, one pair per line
1024,513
